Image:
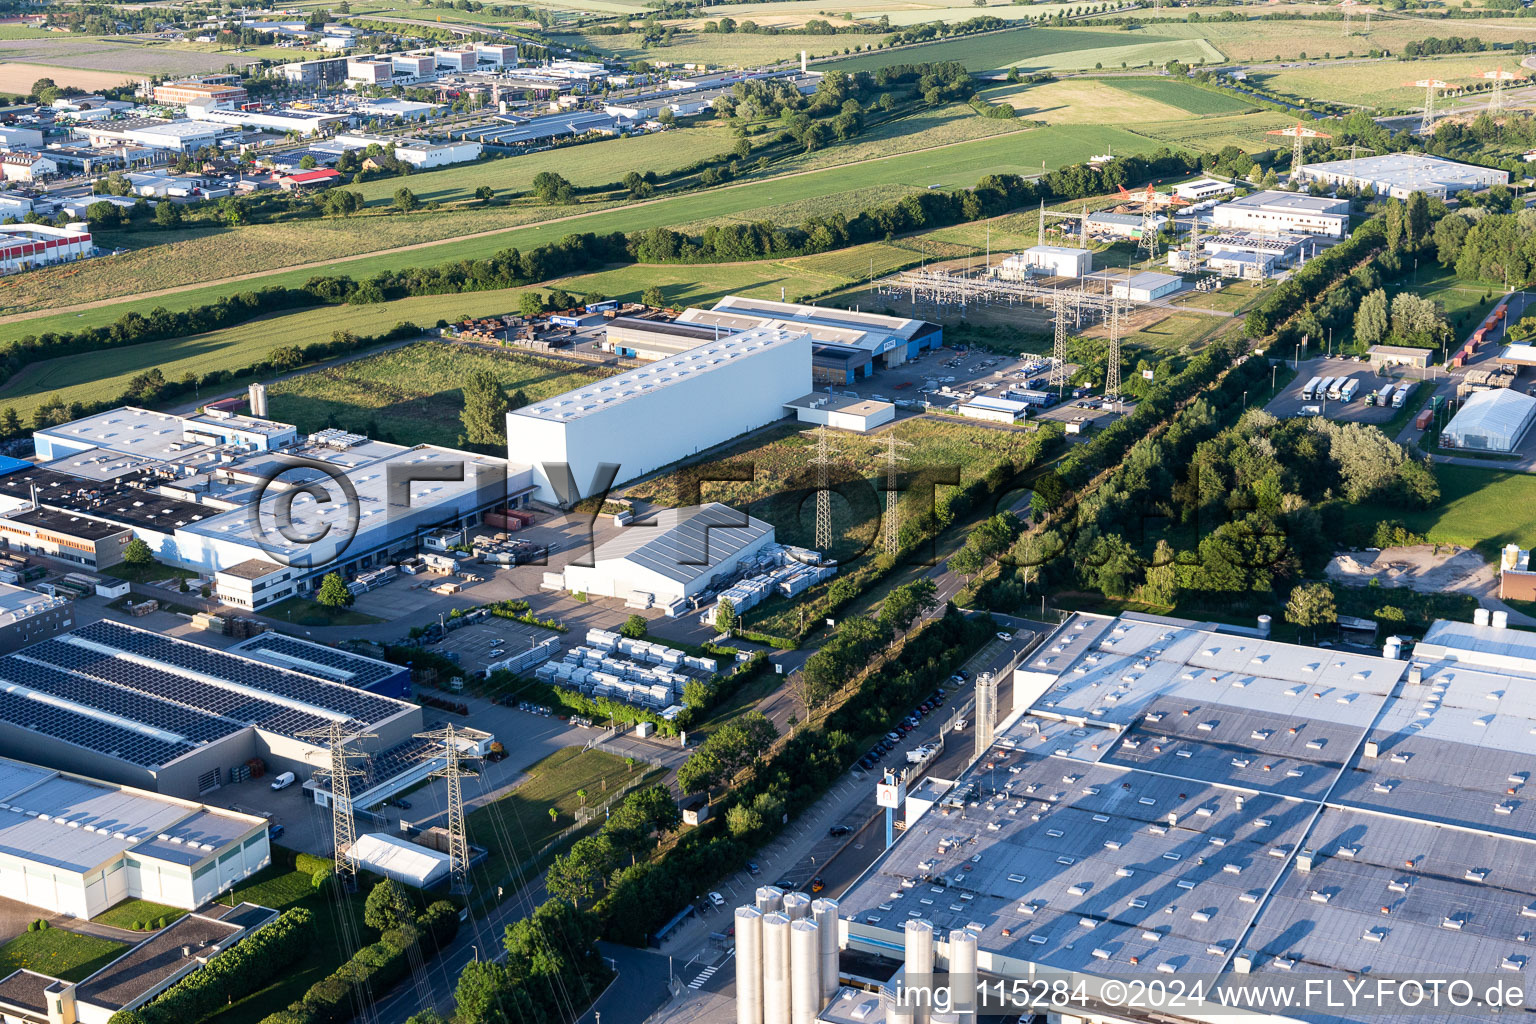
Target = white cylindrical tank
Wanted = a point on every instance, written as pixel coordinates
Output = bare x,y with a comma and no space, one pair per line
962,974
776,969
797,905
1500,620
749,966
804,972
919,972
769,899
1264,624
1392,649
824,913
1480,617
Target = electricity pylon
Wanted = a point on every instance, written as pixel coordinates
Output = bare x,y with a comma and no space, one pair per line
892,523
1496,101
335,736
1058,379
1299,133
458,834
1429,85
1112,374
822,460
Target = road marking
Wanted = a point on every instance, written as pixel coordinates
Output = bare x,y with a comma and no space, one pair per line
704,976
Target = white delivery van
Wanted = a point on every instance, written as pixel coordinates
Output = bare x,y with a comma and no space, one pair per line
283,781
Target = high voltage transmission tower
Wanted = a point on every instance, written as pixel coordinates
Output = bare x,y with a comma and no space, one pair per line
1499,77
1059,314
1430,87
458,835
1298,136
1112,374
822,460
892,523
335,736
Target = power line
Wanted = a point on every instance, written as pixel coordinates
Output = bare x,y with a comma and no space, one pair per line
458,835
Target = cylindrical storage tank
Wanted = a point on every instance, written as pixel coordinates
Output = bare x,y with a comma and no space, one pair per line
1264,624
1392,650
824,913
797,905
1500,620
1480,617
776,969
749,966
769,899
962,974
919,972
804,972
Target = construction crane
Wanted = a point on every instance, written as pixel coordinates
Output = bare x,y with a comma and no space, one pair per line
1299,134
1499,77
1430,87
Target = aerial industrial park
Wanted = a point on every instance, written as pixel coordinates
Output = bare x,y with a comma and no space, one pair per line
606,512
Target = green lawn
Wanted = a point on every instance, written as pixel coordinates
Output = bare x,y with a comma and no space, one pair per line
516,826
281,887
1479,508
131,911
301,611
151,573
60,953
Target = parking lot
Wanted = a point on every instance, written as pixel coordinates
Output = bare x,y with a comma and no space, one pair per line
493,639
1289,402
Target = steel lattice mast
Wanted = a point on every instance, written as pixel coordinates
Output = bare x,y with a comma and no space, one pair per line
1499,77
1299,134
892,522
1059,314
1112,374
1430,86
822,460
340,772
458,833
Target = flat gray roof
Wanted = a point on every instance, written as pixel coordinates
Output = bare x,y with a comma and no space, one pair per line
1410,170
683,544
1291,202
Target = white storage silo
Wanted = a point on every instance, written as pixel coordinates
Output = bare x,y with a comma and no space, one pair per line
962,974
797,905
769,899
749,966
824,913
804,972
776,983
919,966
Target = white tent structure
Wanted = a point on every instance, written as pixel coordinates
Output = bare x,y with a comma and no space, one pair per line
399,859
1492,421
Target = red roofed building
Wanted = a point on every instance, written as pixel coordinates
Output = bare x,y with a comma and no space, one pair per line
321,177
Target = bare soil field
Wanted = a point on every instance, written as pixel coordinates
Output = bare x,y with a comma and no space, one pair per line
18,78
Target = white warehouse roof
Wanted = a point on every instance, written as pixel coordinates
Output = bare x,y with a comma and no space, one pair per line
663,372
684,544
400,859
1492,420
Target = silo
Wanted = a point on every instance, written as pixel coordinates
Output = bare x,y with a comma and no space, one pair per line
769,899
776,969
749,966
804,971
797,905
962,974
824,913
919,973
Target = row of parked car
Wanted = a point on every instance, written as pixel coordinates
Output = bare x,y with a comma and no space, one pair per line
906,725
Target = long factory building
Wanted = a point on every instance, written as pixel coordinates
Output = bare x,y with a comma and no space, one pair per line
1175,800
136,708
207,492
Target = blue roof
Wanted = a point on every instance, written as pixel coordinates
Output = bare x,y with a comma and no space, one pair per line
10,465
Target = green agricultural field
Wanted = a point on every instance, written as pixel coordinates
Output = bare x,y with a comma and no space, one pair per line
1245,131
955,166
738,49
926,128
1375,83
1257,40
59,952
413,395
1081,101
1042,49
1181,95
594,163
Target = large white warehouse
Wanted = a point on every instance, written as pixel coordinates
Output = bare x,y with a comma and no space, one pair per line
671,556
646,418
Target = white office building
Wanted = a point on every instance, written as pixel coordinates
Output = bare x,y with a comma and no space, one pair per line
1401,174
1291,212
1047,261
645,418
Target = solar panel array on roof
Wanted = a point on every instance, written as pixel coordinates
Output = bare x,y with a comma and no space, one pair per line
219,703
683,544
283,683
124,700
88,732
301,654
